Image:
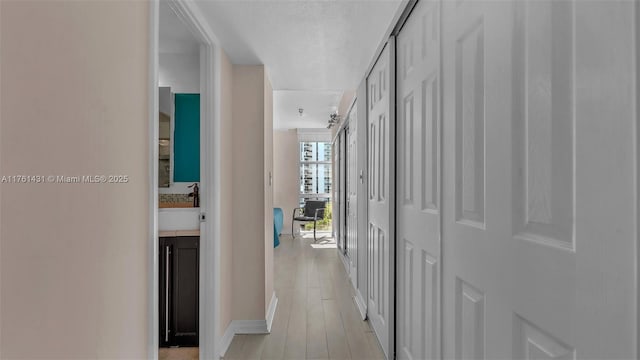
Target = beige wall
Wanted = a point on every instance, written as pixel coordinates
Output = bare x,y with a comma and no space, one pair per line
74,258
345,102
285,173
268,189
250,195
226,183
343,108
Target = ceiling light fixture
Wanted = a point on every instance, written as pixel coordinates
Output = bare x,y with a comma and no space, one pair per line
300,110
334,119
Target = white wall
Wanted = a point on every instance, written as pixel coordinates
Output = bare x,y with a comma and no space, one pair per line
343,107
180,71
74,263
285,174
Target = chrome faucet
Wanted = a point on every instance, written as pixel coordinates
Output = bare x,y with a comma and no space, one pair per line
196,194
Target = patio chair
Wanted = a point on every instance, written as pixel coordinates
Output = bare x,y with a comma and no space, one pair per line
313,210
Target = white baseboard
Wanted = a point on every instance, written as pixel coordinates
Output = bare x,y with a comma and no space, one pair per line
237,327
226,340
271,312
361,304
250,327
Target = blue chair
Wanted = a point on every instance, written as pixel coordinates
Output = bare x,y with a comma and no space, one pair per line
278,219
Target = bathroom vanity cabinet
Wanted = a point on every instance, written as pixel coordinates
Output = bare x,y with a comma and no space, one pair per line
178,275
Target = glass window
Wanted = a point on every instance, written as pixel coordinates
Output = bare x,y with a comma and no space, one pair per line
315,151
315,173
315,168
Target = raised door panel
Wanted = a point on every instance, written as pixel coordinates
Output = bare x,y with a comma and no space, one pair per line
470,134
543,143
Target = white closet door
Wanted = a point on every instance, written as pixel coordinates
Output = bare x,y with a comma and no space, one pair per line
337,202
381,200
540,212
352,198
418,185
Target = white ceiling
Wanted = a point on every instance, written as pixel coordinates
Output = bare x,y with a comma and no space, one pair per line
313,50
305,44
316,105
173,35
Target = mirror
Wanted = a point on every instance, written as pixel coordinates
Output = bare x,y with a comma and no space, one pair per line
164,137
164,153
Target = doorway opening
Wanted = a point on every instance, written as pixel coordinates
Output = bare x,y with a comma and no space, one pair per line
179,185
183,286
315,185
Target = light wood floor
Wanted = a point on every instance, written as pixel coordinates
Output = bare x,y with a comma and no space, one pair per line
316,317
184,353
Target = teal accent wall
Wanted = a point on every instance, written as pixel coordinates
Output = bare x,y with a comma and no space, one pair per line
186,142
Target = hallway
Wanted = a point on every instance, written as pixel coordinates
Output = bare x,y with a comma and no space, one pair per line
316,317
481,159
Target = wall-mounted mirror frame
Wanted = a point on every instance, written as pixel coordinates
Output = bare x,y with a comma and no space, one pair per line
165,138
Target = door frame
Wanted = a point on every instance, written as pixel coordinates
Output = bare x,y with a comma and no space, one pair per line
637,180
210,159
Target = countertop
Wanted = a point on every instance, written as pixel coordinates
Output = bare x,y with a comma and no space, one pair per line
175,233
164,205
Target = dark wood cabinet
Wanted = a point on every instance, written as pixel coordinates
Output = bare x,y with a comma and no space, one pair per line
179,295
